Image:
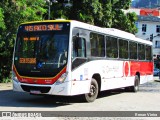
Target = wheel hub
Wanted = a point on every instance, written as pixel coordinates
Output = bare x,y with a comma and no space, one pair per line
92,90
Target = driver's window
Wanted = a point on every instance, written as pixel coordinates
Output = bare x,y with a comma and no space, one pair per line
79,47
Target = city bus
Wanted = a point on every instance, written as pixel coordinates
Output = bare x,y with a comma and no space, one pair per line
68,58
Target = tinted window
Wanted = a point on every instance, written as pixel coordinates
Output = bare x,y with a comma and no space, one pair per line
79,47
141,52
123,49
133,50
97,45
111,47
41,53
148,53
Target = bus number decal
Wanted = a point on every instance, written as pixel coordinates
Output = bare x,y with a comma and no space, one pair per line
81,77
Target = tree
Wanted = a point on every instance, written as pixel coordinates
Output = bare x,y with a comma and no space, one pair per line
12,13
103,13
123,21
2,24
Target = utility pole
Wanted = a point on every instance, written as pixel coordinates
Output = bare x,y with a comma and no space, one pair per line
150,4
49,7
66,4
151,37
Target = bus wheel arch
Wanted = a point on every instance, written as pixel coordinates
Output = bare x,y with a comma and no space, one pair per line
135,87
97,77
94,88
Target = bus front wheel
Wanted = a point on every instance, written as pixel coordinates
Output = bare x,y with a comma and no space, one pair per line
93,93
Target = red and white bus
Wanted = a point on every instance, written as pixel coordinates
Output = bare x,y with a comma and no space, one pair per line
67,57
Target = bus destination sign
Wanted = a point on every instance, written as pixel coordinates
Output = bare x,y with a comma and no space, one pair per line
44,27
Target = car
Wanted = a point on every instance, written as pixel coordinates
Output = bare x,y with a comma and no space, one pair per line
156,71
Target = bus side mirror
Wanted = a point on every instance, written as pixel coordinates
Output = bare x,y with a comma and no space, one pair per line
77,35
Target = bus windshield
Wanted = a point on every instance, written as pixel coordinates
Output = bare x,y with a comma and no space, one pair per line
41,52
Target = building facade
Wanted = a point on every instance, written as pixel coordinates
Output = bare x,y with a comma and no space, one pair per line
148,25
149,29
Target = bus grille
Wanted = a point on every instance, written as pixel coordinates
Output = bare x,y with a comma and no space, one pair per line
41,89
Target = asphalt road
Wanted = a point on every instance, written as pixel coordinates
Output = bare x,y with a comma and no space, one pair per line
147,99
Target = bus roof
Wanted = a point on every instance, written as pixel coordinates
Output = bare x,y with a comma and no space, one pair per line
109,31
57,20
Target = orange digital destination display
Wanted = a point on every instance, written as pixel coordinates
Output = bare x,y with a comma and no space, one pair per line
51,27
31,38
27,60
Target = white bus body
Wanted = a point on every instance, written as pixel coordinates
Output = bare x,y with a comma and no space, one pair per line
90,70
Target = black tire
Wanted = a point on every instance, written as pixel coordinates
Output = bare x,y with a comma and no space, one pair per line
93,93
135,88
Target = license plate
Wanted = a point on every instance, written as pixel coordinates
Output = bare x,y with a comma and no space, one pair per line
35,91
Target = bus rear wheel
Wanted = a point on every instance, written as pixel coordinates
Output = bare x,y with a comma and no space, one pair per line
93,93
135,87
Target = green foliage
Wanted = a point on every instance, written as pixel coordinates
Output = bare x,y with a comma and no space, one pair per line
103,13
12,13
6,80
2,24
123,21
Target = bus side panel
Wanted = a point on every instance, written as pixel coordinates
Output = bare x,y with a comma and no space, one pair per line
116,74
81,79
110,71
127,76
145,69
113,73
62,89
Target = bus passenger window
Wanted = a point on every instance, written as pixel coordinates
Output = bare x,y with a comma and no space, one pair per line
123,49
133,50
97,45
79,47
111,47
148,53
141,52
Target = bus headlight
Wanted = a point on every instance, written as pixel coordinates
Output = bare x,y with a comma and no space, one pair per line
14,77
62,78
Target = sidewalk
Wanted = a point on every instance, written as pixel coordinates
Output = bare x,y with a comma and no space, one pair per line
156,78
5,86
